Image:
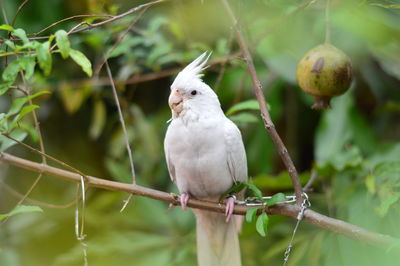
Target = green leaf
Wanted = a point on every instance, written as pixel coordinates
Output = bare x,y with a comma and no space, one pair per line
11,71
244,118
24,111
30,129
257,193
348,158
63,43
6,27
6,143
236,188
387,201
251,214
44,57
10,44
81,60
27,63
387,185
17,104
20,33
246,105
4,87
21,209
157,52
277,198
262,224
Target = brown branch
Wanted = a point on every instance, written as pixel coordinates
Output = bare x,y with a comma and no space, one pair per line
71,18
317,219
268,124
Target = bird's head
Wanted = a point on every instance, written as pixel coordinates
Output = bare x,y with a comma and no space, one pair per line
188,91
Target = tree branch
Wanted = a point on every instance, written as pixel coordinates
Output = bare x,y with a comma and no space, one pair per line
317,219
268,124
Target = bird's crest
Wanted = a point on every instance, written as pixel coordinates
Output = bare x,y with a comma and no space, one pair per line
192,72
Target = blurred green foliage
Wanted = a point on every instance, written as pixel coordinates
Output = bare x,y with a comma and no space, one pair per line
354,147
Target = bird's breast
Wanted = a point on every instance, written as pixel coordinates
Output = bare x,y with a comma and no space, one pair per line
198,153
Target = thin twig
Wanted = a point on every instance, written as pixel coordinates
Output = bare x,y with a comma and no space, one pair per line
317,219
310,182
18,11
16,53
22,199
44,154
71,18
35,119
269,126
37,202
121,119
79,233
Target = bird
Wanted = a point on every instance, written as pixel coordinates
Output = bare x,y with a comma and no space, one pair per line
205,157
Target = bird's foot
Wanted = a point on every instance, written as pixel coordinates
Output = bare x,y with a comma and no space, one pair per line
184,198
230,205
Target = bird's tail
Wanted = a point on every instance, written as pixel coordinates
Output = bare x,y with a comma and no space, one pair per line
217,240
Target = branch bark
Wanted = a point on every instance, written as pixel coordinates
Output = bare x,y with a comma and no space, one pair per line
315,218
268,124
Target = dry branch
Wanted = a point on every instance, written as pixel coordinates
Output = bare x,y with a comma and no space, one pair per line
268,124
320,220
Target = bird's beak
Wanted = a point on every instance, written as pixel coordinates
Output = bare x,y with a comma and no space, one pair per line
175,101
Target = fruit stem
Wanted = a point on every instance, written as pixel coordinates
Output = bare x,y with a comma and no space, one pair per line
327,23
321,103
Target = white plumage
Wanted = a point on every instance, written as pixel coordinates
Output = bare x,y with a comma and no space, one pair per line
205,156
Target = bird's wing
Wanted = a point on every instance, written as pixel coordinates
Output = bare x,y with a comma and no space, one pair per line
170,165
236,154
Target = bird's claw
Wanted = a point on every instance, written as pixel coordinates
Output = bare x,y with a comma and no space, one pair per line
230,205
184,198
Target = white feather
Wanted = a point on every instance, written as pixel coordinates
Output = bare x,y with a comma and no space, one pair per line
192,72
205,156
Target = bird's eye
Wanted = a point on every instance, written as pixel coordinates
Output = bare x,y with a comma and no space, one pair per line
193,92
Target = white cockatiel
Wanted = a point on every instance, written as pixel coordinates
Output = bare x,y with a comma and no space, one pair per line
205,156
